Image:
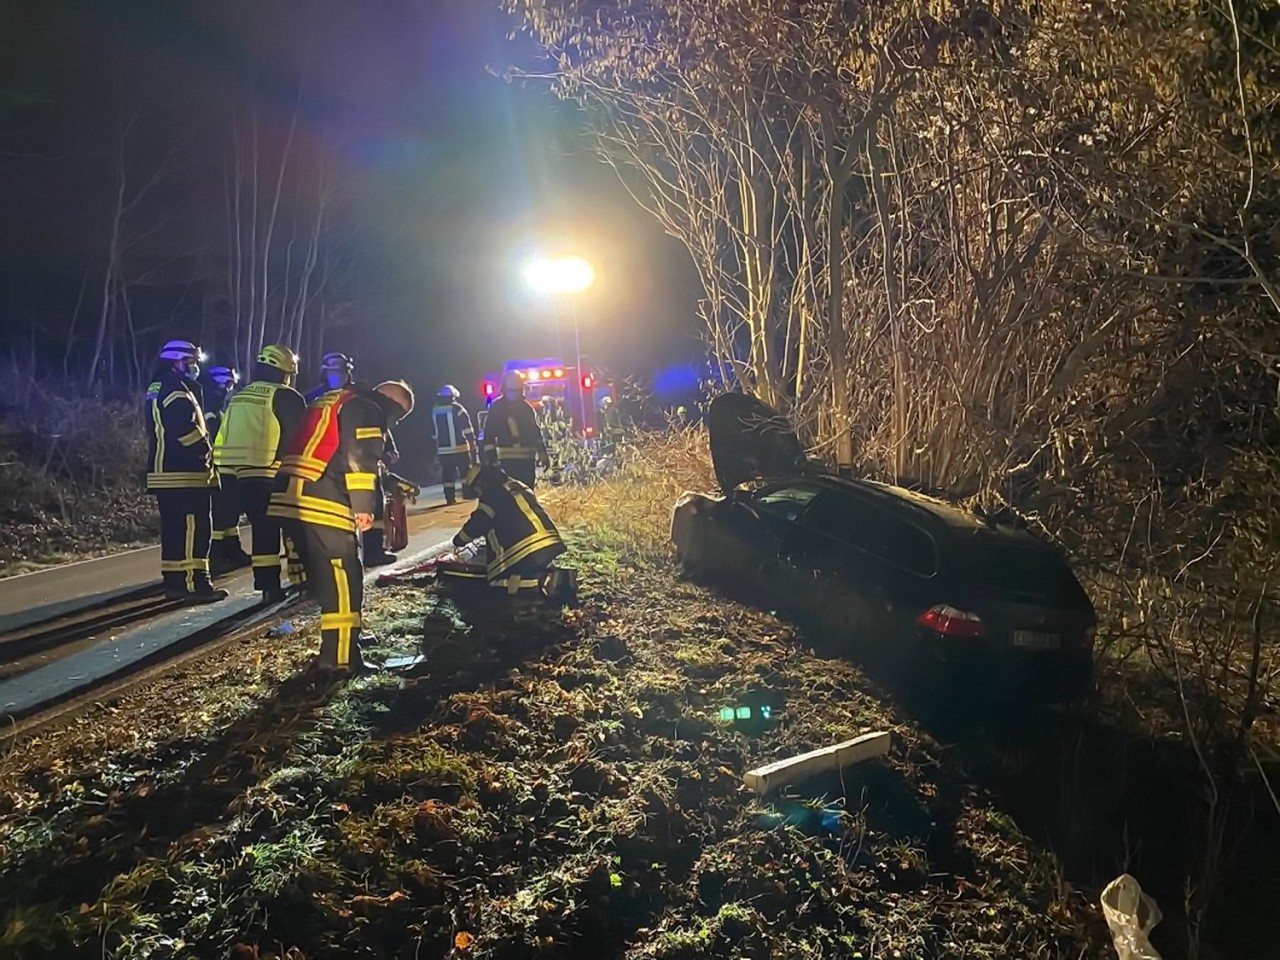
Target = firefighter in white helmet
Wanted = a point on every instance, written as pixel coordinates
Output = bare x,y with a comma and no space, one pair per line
325,492
180,473
455,439
512,437
338,372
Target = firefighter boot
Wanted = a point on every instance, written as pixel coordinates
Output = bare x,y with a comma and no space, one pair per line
226,553
375,553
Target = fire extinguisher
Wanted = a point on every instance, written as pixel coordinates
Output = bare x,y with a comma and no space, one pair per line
399,493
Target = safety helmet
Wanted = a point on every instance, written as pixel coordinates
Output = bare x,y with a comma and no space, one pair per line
225,377
337,361
279,356
511,381
180,350
398,392
607,402
449,392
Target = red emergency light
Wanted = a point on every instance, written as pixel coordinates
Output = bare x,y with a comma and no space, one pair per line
489,389
588,381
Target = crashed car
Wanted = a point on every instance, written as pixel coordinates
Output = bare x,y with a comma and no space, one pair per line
891,577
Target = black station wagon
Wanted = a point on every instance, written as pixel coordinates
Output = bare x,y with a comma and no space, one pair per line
894,578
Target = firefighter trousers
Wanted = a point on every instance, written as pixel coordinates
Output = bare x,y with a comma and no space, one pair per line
336,581
255,496
226,519
526,471
453,468
185,527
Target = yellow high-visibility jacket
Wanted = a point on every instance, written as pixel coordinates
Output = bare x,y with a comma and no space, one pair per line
257,423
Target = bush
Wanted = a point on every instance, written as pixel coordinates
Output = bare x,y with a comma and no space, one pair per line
72,473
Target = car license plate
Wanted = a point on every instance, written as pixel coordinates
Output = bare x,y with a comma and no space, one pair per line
1033,640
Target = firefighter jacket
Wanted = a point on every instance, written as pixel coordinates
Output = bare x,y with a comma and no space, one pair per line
515,527
511,431
451,428
213,400
328,470
179,455
390,453
258,421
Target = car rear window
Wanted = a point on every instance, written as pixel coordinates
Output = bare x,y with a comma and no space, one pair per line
1013,572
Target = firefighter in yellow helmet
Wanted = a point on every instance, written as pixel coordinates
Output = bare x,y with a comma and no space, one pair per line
180,473
512,437
257,423
325,492
520,539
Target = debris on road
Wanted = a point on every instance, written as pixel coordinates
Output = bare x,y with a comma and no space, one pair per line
794,769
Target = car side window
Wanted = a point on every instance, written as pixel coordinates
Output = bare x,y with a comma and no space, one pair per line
874,531
786,502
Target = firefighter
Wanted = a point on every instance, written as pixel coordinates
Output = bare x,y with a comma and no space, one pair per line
520,539
181,474
225,550
324,495
512,437
257,423
455,440
337,371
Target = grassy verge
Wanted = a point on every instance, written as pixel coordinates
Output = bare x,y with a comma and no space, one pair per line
551,785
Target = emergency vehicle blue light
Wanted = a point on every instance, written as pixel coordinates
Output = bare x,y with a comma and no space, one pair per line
676,380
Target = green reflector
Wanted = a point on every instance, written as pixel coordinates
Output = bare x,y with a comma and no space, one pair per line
744,713
726,713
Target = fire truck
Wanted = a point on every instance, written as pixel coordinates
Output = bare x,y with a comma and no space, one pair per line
578,394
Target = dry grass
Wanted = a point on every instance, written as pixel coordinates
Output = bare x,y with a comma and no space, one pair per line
630,513
552,786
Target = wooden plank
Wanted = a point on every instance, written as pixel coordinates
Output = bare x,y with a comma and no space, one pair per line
794,769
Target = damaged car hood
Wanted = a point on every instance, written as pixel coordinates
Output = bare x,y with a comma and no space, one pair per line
751,441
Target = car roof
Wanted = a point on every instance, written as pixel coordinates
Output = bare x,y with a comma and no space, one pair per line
931,512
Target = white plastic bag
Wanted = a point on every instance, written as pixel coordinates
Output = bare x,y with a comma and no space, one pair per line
1131,916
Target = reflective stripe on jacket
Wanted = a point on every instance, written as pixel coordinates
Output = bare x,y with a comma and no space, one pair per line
178,449
328,470
511,430
253,429
515,527
451,428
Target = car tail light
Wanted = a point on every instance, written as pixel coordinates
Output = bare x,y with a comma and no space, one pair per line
948,621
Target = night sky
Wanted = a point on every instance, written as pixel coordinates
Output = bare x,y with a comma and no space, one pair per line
447,172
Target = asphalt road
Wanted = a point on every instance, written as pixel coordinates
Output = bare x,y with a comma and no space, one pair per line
58,591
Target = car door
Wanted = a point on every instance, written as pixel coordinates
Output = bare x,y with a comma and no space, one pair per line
859,564
753,530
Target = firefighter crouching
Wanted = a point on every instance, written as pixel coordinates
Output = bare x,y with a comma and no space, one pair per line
520,539
247,451
226,553
181,474
325,493
455,440
512,438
